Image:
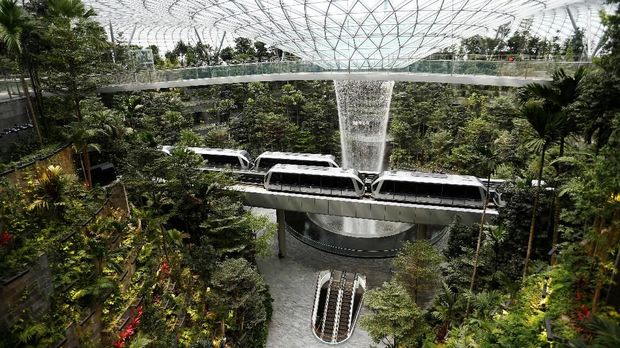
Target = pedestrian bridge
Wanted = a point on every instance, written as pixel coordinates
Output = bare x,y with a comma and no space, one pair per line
471,72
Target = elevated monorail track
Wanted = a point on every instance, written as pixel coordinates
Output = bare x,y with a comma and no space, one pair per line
363,208
250,185
255,195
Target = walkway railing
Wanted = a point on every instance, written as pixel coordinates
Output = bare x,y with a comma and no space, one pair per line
522,69
10,87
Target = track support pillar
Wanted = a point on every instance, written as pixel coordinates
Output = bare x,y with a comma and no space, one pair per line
421,232
281,233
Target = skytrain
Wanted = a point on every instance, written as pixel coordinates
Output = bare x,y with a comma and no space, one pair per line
241,159
429,188
319,174
326,181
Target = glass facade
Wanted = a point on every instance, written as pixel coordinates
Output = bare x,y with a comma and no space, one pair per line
346,34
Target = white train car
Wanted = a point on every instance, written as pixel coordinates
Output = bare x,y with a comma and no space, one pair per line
266,160
429,188
326,181
219,158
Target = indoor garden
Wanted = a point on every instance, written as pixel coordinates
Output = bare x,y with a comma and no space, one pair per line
108,241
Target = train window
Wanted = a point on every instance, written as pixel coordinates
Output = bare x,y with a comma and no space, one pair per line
461,192
346,184
428,190
472,192
276,179
405,188
411,188
290,179
388,187
220,160
327,182
266,163
310,180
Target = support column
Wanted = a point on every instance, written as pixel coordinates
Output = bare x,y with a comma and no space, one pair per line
421,232
281,233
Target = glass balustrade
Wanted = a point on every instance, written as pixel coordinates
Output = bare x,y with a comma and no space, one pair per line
524,69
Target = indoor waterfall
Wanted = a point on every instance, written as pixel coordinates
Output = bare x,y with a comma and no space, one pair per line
363,112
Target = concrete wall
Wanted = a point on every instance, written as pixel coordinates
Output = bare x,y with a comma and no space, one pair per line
28,293
13,112
63,157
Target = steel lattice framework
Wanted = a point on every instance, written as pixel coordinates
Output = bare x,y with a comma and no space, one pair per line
358,34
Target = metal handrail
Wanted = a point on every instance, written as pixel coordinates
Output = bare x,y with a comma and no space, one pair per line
317,294
355,285
338,307
337,314
329,288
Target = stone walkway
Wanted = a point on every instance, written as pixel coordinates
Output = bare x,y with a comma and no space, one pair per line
292,282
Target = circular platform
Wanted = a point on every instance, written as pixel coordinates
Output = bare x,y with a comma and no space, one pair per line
342,238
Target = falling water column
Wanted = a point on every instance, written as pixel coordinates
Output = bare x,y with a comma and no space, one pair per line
363,111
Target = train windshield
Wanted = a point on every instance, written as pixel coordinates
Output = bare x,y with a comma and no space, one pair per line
221,160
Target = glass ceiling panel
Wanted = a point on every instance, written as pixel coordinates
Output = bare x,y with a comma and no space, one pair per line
355,34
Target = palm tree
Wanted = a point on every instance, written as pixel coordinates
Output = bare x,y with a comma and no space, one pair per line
84,133
447,310
490,163
606,333
545,125
13,21
69,9
556,98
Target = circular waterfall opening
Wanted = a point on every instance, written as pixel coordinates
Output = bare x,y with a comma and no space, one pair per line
358,228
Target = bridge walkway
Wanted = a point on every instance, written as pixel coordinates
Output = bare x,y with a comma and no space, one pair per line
476,72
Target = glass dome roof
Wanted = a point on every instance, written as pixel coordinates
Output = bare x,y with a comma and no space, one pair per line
357,34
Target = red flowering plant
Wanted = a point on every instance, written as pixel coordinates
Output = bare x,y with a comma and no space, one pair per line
5,239
129,330
165,268
583,313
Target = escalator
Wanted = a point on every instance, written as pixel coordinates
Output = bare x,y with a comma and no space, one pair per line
337,304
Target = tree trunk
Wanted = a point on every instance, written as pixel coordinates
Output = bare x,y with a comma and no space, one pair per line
87,177
613,275
164,244
33,117
557,208
37,92
85,156
534,209
598,226
473,275
600,274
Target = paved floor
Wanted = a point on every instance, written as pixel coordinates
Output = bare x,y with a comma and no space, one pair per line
292,284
